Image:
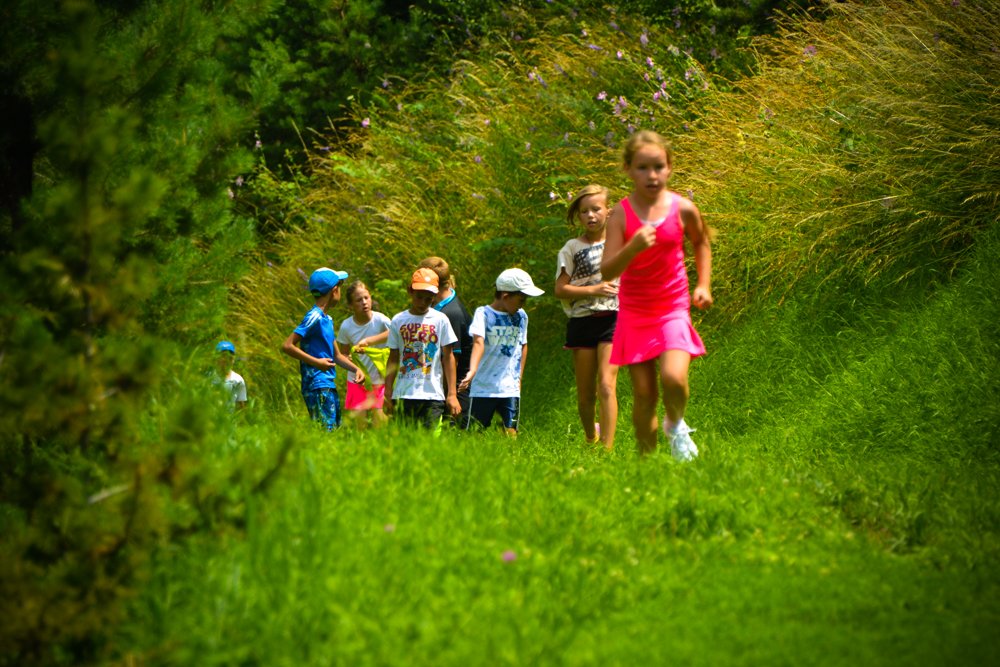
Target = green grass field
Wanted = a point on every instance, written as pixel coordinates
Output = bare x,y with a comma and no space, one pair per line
844,511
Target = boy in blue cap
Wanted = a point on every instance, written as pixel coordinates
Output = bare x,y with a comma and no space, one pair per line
232,380
313,344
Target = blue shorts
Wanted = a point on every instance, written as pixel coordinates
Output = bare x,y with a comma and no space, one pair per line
482,410
323,406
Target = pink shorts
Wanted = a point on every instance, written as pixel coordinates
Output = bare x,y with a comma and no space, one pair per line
359,398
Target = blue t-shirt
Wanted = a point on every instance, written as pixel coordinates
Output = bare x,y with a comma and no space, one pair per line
318,339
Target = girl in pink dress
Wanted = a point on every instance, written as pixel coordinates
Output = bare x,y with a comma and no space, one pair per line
645,246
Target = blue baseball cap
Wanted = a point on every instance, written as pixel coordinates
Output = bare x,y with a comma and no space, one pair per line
225,346
323,280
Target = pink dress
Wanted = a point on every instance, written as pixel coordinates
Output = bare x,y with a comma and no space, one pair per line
654,303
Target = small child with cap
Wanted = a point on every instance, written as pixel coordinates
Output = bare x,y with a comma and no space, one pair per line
233,381
499,351
421,358
313,344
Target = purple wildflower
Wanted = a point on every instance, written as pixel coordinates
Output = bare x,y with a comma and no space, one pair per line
690,194
649,62
688,75
385,83
644,39
956,3
618,54
302,274
614,26
645,76
602,95
591,125
509,556
486,122
366,122
809,50
594,47
656,96
553,196
566,136
258,145
239,181
583,32
478,159
476,195
714,53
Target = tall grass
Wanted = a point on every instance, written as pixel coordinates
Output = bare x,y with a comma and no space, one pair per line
865,149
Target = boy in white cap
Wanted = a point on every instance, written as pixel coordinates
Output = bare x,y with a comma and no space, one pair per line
421,360
313,344
499,351
233,381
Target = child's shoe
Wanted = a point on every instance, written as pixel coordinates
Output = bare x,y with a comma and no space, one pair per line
682,447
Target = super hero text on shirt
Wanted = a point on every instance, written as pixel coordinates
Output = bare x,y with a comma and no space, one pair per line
423,333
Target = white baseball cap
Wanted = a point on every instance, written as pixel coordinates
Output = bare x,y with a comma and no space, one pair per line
516,280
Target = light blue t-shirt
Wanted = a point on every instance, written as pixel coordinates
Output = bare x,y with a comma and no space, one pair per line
318,338
499,373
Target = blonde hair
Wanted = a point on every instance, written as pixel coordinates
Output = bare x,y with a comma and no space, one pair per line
441,268
642,138
585,191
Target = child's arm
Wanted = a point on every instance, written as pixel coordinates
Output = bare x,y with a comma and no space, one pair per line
524,362
566,291
448,364
478,347
345,362
618,253
697,234
372,341
391,369
292,349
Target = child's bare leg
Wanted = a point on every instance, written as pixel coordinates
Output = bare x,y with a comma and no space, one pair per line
645,394
674,378
378,418
585,368
607,392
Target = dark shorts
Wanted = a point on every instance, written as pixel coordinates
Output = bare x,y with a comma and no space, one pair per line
425,413
482,410
588,332
323,406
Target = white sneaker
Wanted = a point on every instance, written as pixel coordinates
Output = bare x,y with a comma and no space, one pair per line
682,447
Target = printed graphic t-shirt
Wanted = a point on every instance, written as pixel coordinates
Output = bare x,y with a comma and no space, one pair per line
317,334
350,333
582,263
419,339
499,373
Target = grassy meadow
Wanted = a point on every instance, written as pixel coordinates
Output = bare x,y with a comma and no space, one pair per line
846,506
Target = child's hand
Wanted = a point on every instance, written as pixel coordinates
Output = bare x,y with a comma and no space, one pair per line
702,298
645,237
387,406
359,376
466,381
606,289
360,347
454,407
326,364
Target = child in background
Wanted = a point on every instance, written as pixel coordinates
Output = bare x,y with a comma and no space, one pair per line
591,303
364,331
236,388
420,355
645,246
312,343
499,352
447,302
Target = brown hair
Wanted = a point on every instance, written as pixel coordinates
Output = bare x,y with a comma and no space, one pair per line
352,288
642,138
585,191
441,268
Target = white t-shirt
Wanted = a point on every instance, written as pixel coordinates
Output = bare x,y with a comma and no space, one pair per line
419,339
237,388
503,334
582,262
350,333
